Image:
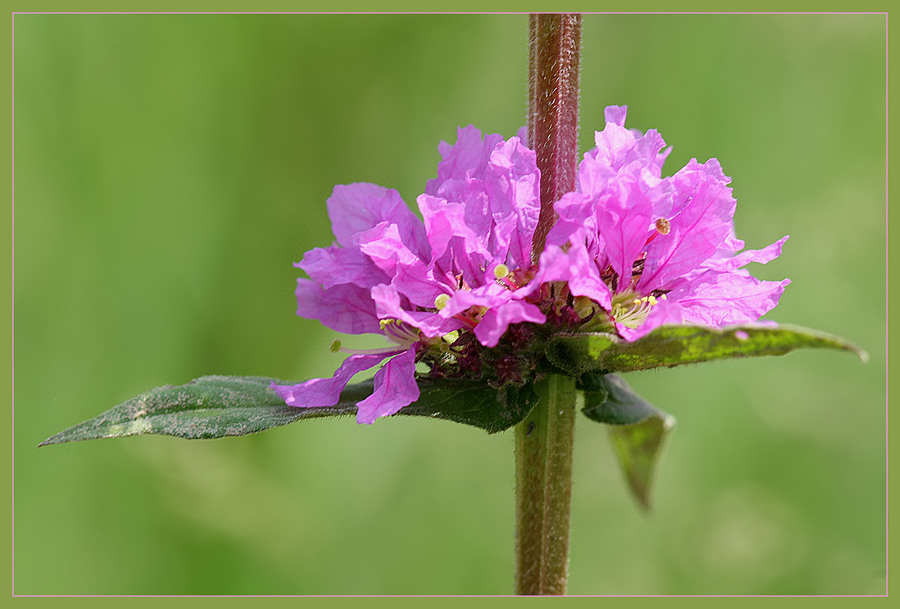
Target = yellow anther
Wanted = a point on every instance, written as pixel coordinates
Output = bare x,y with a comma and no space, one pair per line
636,301
663,297
441,301
451,337
335,346
643,299
663,226
385,323
501,271
652,300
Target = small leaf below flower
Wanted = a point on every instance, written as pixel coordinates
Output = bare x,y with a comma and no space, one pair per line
219,406
637,429
668,346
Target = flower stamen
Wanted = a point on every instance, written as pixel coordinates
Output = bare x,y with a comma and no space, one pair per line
396,331
505,277
629,310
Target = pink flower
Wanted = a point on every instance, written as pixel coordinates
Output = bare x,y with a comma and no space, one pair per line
422,283
649,250
630,251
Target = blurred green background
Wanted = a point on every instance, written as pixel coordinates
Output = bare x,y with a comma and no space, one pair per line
169,169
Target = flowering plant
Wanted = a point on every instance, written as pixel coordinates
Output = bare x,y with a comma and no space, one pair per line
528,280
459,291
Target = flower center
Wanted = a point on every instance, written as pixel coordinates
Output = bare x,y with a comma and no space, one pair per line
632,310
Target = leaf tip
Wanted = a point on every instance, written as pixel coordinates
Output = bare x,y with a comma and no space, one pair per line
643,502
50,441
846,345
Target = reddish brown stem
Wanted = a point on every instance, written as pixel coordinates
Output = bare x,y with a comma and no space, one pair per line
544,439
553,67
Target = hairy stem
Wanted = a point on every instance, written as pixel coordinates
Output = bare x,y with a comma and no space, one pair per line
544,489
544,438
553,67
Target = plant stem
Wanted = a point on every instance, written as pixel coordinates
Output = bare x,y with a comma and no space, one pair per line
544,438
544,488
553,67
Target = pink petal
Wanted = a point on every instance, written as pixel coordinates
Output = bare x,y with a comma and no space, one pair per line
767,254
327,392
345,308
395,387
615,115
624,219
512,181
385,247
358,207
455,247
575,211
497,319
701,223
335,265
718,299
574,267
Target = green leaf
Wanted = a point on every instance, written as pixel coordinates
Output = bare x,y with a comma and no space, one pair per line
473,403
638,430
207,407
668,346
218,406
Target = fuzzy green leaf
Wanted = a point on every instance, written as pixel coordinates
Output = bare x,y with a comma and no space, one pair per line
637,429
219,406
668,346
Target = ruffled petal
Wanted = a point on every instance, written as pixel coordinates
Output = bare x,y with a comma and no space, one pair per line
619,150
766,254
512,182
487,295
615,115
575,212
327,392
716,299
456,248
466,159
408,272
395,387
702,221
574,267
335,265
355,208
345,308
624,218
615,146
497,319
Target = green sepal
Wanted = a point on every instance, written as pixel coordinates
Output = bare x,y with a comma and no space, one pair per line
668,346
219,406
638,430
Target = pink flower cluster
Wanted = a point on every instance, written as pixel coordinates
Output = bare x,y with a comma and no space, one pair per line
459,290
